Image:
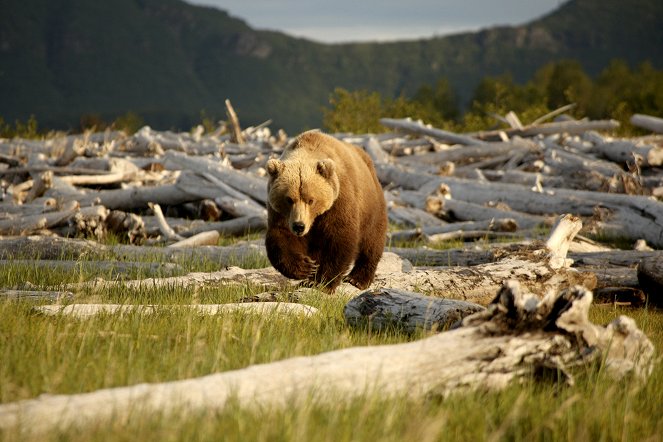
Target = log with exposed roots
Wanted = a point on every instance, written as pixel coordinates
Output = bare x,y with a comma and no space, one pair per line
516,338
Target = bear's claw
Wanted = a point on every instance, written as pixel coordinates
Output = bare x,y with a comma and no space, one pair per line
306,268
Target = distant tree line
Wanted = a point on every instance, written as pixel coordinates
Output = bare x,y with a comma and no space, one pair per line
617,92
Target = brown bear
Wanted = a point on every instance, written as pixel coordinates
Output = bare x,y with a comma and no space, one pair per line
326,210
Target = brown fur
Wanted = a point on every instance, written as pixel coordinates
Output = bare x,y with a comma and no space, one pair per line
326,210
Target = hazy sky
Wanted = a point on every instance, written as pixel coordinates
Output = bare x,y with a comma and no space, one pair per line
356,20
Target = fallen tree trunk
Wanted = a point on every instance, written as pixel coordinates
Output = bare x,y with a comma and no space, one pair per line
46,247
515,338
86,311
251,185
628,152
113,268
410,126
386,308
32,223
648,122
570,127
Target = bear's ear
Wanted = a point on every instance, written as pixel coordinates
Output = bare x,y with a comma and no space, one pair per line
325,168
274,167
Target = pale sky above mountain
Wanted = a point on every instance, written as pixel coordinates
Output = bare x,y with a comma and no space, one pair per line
386,20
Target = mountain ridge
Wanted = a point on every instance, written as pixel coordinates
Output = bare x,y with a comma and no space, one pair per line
167,60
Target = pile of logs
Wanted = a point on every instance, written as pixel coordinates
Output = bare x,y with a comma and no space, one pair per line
184,189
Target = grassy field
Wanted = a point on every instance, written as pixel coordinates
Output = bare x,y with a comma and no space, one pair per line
57,355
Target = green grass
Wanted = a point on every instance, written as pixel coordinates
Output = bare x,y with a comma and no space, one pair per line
57,355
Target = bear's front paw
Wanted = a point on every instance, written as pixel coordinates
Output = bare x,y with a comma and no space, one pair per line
306,268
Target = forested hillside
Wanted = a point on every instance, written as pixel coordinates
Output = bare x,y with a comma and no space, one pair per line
167,61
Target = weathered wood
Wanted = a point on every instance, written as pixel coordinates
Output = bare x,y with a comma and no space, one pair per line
424,233
164,228
35,295
412,217
568,127
565,163
32,223
470,154
386,308
465,211
234,227
625,151
409,126
648,122
45,247
210,238
233,122
253,186
513,338
112,268
86,311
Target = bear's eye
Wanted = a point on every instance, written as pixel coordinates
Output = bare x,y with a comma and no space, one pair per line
310,202
288,200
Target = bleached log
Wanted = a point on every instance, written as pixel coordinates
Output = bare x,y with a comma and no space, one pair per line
410,126
625,151
554,113
240,208
246,183
34,223
386,308
35,295
138,197
210,238
9,210
233,121
99,179
35,168
469,154
374,149
648,122
512,339
266,277
41,183
74,148
566,163
569,127
164,228
86,311
113,268
493,225
465,211
424,257
45,247
234,227
412,217
468,235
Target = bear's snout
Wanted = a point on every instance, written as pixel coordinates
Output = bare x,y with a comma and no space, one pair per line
298,228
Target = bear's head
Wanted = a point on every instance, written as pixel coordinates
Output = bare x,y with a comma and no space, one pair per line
301,190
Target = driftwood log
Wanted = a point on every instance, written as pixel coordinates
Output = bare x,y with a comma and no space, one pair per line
518,337
385,308
85,311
